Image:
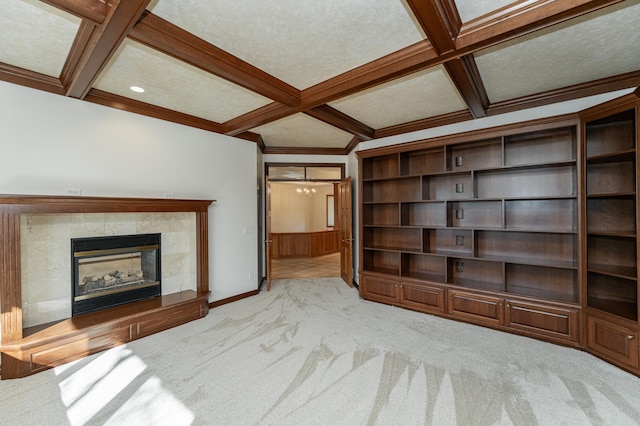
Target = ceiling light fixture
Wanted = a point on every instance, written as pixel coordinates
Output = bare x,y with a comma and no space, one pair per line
306,192
137,89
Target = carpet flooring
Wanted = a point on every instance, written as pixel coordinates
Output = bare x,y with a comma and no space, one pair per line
311,352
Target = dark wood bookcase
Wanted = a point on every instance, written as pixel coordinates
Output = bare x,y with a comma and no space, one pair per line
529,229
611,201
495,219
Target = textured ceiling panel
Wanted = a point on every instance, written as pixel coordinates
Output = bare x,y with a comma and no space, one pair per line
175,85
598,45
424,94
300,130
471,9
35,36
301,42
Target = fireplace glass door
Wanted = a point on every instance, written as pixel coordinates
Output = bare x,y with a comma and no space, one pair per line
110,271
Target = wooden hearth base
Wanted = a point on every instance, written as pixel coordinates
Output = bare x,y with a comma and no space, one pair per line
48,346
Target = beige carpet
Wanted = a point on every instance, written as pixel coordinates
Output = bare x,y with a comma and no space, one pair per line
311,352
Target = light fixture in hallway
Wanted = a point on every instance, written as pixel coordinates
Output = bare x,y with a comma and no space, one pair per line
306,192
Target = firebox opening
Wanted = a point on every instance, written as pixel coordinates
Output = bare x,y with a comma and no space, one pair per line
110,271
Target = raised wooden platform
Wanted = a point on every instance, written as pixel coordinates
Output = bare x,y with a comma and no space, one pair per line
50,345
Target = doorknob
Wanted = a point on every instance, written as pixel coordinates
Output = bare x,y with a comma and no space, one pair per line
268,241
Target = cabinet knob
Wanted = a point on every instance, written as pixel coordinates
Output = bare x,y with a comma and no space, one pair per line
629,337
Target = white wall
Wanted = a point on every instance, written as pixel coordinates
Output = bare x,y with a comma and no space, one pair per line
291,212
50,143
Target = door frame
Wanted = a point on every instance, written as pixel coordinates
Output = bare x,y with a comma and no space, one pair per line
346,229
267,180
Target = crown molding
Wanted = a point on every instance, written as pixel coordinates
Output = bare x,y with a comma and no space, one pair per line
425,123
34,80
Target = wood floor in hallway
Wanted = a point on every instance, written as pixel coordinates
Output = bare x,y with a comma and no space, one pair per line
327,265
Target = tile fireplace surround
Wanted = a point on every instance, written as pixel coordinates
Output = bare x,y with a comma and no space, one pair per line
35,292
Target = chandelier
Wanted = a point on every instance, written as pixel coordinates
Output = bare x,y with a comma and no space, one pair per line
306,192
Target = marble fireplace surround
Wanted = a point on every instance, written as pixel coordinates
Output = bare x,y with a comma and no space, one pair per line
34,230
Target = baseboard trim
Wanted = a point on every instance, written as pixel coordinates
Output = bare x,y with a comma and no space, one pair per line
233,298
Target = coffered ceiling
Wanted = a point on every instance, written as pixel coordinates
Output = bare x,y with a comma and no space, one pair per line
308,76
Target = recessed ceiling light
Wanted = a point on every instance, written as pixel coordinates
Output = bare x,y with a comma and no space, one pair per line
137,89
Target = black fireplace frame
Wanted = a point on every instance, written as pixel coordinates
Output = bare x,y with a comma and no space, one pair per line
79,307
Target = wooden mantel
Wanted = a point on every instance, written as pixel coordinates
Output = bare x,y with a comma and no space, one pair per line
23,355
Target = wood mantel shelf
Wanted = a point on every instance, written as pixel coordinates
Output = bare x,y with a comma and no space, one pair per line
27,351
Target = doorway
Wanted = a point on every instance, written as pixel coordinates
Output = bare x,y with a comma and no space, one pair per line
303,217
303,231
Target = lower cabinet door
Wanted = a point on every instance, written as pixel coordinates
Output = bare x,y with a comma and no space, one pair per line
613,342
381,289
422,298
476,308
554,322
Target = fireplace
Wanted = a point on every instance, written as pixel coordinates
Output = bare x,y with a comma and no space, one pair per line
114,270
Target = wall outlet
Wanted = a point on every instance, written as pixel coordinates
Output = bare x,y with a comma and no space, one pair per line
169,195
73,191
251,275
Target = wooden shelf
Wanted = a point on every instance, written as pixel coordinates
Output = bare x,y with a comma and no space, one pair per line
613,157
627,310
611,217
382,167
423,276
474,156
544,147
624,272
479,285
414,163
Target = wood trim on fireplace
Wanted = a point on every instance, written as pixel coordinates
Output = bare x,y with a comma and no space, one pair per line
15,362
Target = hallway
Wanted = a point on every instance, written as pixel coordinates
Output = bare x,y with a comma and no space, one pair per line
327,265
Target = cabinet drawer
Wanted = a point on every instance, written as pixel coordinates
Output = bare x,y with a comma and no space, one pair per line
380,289
422,298
479,308
59,355
543,320
613,342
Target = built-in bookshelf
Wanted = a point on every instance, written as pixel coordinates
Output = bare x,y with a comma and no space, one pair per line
611,241
494,214
612,284
529,229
